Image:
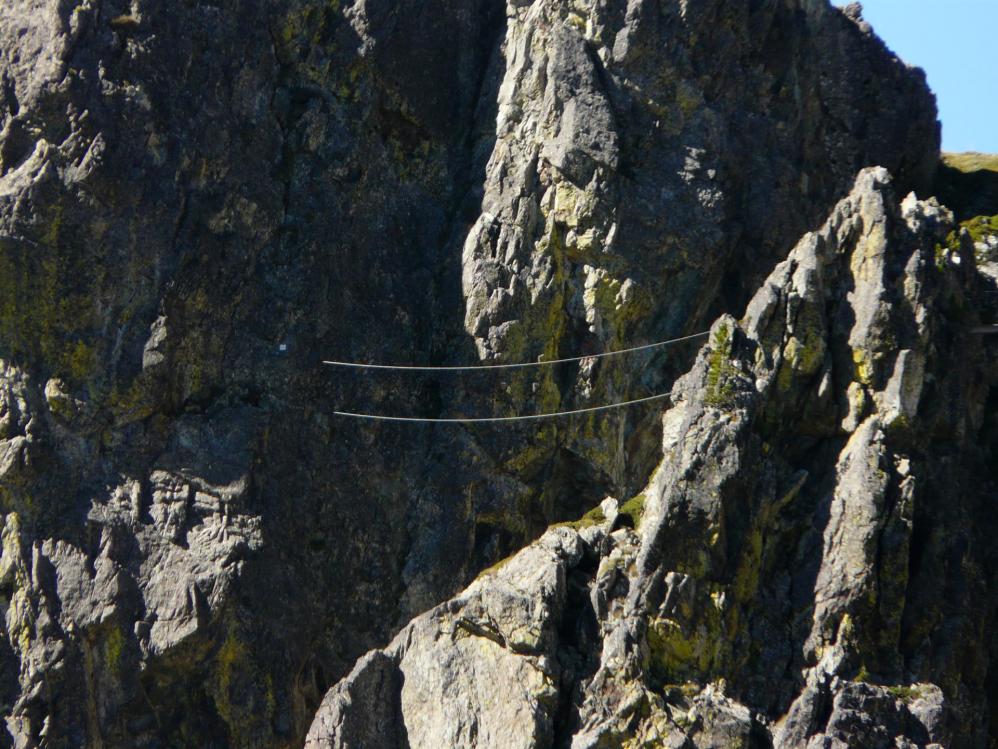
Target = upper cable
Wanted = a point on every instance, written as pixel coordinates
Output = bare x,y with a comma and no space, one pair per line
521,365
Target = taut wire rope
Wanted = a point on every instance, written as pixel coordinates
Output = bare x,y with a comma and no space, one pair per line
521,365
495,419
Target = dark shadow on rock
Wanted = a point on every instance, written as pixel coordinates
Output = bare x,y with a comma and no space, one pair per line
967,194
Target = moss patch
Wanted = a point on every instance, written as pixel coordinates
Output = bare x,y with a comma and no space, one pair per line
114,646
633,509
687,654
594,517
495,567
45,313
243,695
981,227
720,390
905,693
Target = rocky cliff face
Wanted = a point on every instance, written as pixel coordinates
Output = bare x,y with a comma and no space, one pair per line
806,569
200,201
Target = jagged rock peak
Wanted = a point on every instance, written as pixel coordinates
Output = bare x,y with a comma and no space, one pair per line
782,586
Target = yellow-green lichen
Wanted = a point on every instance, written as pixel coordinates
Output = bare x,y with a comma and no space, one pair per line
685,691
508,521
114,645
546,321
863,366
495,567
46,308
305,39
747,577
81,361
804,352
981,227
671,649
905,693
567,201
132,404
577,21
688,98
20,620
691,655
720,389
244,698
633,509
19,501
594,517
20,615
613,305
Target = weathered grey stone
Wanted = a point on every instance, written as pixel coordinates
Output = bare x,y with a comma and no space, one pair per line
201,201
363,710
479,670
765,598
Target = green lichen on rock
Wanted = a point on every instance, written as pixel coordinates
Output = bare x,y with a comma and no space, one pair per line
509,522
594,517
692,650
243,694
44,317
672,651
747,577
905,693
305,39
804,352
634,509
15,585
546,323
864,366
720,389
113,643
495,567
131,404
981,227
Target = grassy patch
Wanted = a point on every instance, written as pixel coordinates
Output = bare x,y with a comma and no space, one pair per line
905,694
632,510
967,183
980,227
594,517
495,567
971,161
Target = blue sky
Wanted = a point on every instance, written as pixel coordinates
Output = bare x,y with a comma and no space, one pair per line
956,43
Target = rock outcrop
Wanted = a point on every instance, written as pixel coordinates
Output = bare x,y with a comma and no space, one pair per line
201,201
812,567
